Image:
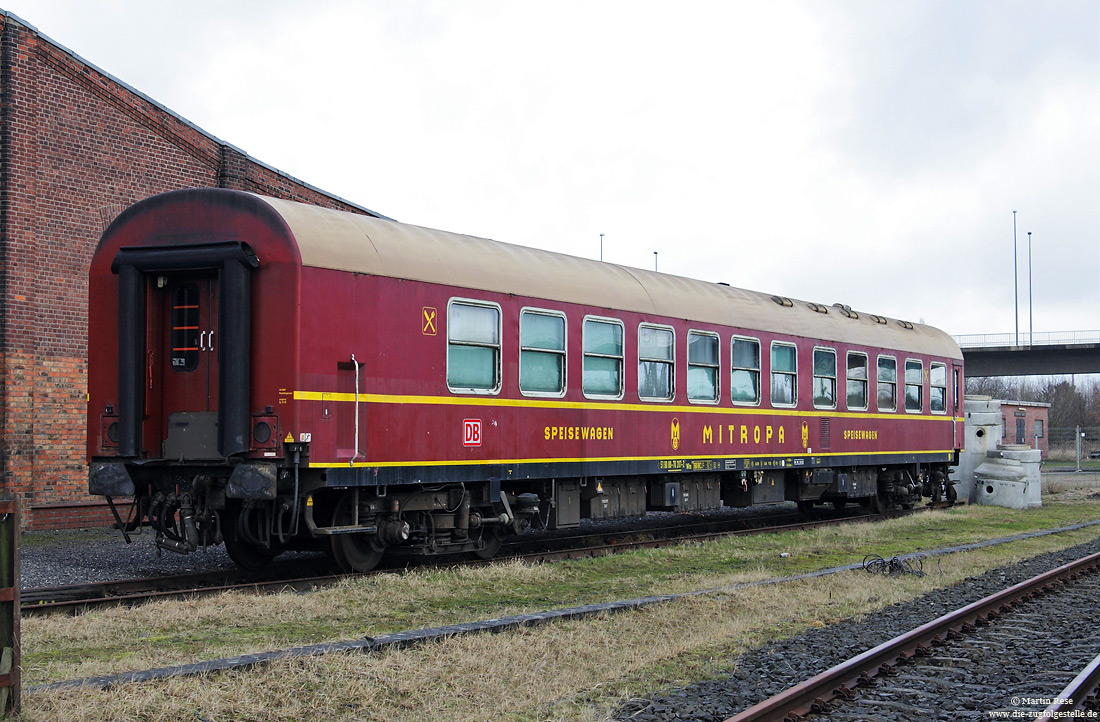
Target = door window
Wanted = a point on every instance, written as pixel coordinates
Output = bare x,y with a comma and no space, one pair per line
185,328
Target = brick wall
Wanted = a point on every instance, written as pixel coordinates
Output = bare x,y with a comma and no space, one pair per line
76,148
1015,413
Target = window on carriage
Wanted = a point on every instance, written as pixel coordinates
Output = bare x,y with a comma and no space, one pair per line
887,383
473,347
541,353
745,375
656,350
702,367
185,328
602,372
784,374
937,388
824,378
857,381
914,385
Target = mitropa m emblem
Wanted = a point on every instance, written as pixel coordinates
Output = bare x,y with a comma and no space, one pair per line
805,435
471,432
675,434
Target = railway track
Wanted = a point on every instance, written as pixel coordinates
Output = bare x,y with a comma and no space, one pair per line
77,598
1011,655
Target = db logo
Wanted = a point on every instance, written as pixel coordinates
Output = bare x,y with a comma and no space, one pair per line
471,432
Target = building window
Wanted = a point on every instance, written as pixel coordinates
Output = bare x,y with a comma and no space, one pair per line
914,385
473,347
784,374
702,367
824,378
857,381
656,348
887,383
541,353
602,372
745,379
1038,428
937,388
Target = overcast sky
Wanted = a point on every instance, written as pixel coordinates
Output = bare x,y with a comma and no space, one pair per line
863,152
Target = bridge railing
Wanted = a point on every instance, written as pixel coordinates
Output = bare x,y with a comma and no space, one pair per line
1039,338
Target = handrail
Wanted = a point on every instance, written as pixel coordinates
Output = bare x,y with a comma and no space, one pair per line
357,454
1038,338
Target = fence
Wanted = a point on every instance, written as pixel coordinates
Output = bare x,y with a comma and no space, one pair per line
1039,338
1074,444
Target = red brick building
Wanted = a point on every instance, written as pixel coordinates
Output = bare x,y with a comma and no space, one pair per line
1026,422
76,147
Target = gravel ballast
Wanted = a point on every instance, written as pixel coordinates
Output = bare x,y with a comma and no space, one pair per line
766,671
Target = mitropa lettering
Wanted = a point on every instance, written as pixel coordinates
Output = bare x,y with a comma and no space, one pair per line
582,433
743,434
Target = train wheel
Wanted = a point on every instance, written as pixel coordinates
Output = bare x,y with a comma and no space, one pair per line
492,540
247,556
353,552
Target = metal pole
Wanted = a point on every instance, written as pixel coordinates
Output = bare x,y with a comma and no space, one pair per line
1077,445
1030,320
655,260
10,670
1015,280
601,246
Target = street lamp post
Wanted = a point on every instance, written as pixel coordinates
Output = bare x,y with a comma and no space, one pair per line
1030,324
1015,280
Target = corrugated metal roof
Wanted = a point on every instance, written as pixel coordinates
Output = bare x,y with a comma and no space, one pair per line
349,242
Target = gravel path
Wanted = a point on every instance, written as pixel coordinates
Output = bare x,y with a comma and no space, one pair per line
769,670
53,558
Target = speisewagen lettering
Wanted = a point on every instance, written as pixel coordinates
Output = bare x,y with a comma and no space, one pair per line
581,433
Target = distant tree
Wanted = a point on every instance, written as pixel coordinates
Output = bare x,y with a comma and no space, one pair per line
1092,406
993,386
1067,405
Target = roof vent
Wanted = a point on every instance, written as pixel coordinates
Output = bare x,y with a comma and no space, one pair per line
846,310
783,301
817,307
877,319
905,324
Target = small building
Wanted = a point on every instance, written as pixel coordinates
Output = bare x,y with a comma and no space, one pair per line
77,146
1026,422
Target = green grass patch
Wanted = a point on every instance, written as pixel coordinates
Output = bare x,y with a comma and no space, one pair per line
176,632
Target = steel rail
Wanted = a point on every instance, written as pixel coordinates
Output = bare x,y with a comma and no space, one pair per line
77,598
1080,694
814,694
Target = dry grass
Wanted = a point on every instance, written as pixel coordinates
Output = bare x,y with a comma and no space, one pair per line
563,671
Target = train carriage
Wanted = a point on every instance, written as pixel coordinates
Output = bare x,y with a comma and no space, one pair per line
274,375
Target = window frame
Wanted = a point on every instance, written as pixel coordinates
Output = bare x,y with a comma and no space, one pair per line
772,372
717,367
184,320
759,370
932,365
671,363
564,353
866,381
499,347
814,376
585,355
879,382
920,386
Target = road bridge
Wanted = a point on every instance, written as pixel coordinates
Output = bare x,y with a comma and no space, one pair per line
1031,354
